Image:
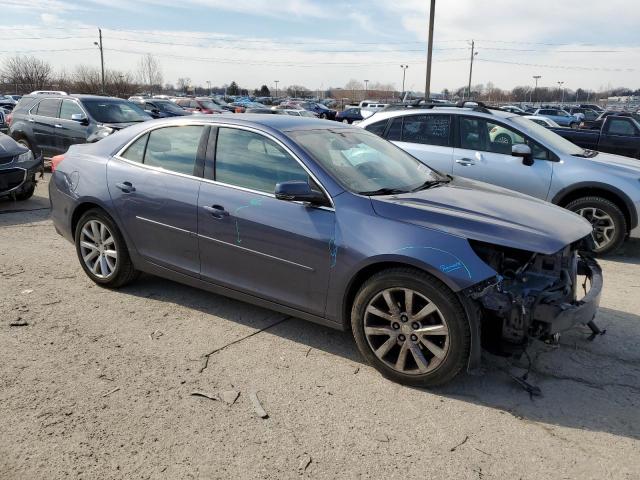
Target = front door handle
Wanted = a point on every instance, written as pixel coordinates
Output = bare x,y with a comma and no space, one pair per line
57,125
465,162
216,211
126,187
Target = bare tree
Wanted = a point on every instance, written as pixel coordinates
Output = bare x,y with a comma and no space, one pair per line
183,84
150,73
27,73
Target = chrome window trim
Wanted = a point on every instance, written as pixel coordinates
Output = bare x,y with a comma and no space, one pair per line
24,179
119,156
266,255
171,227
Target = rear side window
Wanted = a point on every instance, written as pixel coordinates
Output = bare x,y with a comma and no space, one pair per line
171,148
378,127
427,129
174,148
250,160
48,108
620,126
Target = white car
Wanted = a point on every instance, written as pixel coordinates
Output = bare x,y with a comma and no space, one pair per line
540,120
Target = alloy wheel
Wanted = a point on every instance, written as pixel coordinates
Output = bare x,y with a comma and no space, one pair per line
98,249
603,226
406,331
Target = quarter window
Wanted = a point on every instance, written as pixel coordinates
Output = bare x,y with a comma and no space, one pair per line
135,152
395,130
68,109
250,160
378,127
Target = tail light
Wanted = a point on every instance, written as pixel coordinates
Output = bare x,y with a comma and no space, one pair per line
8,117
55,161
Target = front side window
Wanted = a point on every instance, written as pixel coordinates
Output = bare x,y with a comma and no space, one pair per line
70,108
173,148
619,126
48,108
427,129
250,160
364,163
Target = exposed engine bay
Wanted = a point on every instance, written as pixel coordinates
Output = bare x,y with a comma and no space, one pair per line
535,295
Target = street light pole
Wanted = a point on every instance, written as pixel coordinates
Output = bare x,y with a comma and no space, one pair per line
277,87
101,56
427,88
473,54
404,73
366,89
560,87
536,78
209,85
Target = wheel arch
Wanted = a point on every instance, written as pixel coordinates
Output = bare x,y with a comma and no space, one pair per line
597,189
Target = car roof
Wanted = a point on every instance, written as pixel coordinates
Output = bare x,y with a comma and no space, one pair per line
501,114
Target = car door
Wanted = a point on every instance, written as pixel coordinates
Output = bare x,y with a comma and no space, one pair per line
45,117
427,137
154,185
483,153
70,132
620,136
252,242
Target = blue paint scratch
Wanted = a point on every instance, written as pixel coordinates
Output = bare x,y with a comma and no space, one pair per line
446,268
254,202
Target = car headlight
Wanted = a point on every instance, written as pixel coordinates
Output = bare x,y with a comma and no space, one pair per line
25,157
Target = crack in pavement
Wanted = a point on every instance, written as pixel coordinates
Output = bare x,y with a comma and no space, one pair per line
205,357
589,383
575,348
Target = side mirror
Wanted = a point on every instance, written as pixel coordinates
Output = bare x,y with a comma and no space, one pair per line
524,151
298,191
79,117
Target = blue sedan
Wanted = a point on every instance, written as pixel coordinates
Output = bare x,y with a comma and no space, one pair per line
332,224
562,118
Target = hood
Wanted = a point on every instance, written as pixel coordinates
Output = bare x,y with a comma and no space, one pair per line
483,212
9,147
627,164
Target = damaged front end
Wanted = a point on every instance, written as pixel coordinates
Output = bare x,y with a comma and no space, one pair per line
535,295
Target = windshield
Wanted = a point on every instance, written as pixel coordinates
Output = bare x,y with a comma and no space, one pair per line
168,106
208,104
114,111
552,140
364,162
219,101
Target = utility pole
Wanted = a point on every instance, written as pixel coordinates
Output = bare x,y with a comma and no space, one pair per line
209,85
101,56
427,88
536,78
366,89
473,54
404,73
277,81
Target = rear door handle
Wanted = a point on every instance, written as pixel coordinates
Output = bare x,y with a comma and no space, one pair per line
216,211
465,162
126,187
30,120
57,125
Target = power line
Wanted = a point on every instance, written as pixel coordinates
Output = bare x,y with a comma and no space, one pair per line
562,67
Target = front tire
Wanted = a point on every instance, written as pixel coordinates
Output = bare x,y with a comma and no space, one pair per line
102,250
411,327
609,223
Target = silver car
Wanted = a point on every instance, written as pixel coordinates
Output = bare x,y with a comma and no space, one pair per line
514,152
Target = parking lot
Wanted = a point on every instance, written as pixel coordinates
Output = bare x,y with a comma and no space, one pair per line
98,384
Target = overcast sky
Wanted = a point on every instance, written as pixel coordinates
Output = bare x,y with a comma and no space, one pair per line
588,44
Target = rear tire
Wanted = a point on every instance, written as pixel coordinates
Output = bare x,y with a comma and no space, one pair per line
610,225
102,250
428,324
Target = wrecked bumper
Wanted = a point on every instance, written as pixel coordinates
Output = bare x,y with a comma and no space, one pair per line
563,316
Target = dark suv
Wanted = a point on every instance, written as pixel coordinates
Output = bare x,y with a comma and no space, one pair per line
50,124
160,108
